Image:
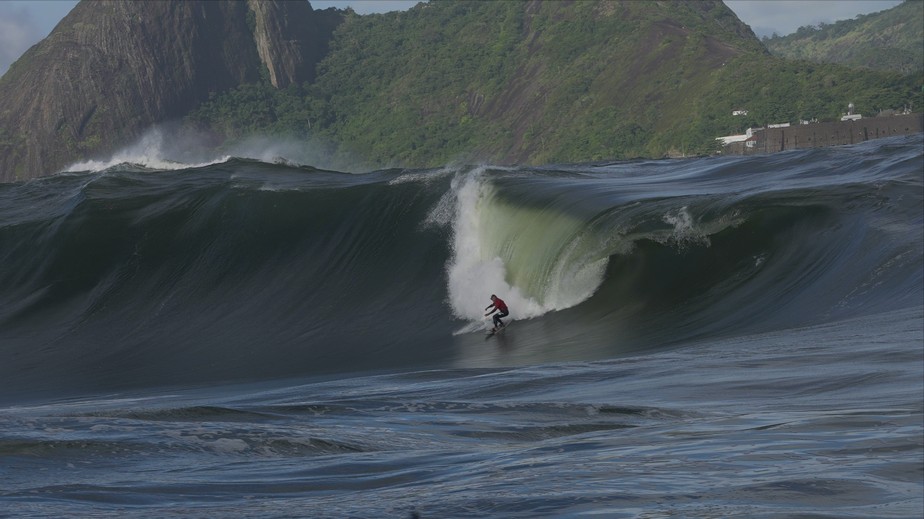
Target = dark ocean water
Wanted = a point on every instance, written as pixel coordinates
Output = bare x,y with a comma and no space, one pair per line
720,337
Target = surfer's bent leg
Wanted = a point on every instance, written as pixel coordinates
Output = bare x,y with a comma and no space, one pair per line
497,319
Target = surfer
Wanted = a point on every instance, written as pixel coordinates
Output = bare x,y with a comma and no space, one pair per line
499,306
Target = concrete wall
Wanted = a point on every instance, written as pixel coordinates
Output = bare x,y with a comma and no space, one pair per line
769,140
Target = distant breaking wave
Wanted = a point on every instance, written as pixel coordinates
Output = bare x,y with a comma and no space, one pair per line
149,153
170,147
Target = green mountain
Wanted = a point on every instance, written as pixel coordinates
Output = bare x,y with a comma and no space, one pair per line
540,82
890,40
509,81
504,81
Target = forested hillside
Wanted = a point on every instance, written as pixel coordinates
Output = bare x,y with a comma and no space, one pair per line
891,40
538,82
506,81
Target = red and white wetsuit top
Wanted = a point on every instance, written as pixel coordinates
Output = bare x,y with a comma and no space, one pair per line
500,304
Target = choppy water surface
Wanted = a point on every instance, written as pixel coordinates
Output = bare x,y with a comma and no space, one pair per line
725,337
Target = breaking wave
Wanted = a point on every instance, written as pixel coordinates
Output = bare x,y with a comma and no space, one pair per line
139,272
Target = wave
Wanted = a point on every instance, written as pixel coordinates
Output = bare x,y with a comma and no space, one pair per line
174,147
249,269
147,154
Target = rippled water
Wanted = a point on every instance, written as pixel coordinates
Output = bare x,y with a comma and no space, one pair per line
824,421
720,337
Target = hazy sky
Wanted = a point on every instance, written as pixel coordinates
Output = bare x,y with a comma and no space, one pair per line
785,16
24,22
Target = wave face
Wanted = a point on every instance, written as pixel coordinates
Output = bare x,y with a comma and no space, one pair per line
246,270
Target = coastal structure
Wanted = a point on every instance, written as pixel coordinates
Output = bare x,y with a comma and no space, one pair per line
850,116
849,130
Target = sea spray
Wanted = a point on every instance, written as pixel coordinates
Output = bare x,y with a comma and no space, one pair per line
157,149
536,259
169,147
474,271
685,232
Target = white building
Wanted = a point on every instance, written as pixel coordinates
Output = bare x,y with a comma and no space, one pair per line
850,116
736,138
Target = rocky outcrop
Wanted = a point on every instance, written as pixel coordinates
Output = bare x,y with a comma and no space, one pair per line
278,31
111,69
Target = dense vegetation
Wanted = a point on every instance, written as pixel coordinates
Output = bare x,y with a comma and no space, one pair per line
547,82
776,90
891,40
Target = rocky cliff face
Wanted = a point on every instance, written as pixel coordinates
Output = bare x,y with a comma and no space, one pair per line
279,33
111,69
